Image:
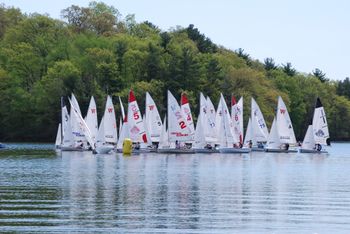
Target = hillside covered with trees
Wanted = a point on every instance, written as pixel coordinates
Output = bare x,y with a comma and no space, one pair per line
95,51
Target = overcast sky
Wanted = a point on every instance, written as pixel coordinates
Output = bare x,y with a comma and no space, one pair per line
308,33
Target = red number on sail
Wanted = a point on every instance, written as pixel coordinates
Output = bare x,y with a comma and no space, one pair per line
182,124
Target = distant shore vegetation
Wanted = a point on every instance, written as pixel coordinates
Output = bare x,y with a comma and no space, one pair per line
96,51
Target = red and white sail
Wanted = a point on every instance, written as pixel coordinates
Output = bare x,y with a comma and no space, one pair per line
110,124
137,131
237,118
177,125
186,111
91,118
152,119
284,124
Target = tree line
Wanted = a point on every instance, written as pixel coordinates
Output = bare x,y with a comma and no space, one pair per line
95,51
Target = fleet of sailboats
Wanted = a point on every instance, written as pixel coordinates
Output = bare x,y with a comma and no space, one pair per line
216,130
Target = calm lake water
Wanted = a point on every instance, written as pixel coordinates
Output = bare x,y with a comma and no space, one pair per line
45,191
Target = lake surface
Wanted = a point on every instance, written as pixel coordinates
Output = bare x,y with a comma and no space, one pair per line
45,191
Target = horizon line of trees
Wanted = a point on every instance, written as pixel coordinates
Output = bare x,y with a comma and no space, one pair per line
97,52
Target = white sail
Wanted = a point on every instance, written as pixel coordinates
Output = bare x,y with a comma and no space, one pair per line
136,126
273,141
284,124
91,118
65,120
237,118
177,126
259,127
319,123
68,138
219,121
309,142
211,129
122,108
248,133
124,133
152,120
82,125
75,104
100,138
199,136
110,124
77,128
227,138
58,141
164,137
186,112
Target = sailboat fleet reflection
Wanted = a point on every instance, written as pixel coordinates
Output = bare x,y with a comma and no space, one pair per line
217,130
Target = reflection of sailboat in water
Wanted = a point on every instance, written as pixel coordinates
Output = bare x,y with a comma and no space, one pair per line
317,134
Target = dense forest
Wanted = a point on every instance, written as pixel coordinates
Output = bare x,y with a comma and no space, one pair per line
95,51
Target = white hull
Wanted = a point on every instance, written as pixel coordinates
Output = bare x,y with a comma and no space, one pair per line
176,151
234,150
281,150
206,151
313,151
105,149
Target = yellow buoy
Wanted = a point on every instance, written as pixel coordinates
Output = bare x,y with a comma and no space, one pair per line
127,146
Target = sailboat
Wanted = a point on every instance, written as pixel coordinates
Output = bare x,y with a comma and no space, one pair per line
259,131
136,126
178,131
77,132
107,133
281,137
227,139
317,134
205,138
153,123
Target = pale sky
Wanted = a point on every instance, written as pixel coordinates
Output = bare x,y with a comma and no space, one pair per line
308,33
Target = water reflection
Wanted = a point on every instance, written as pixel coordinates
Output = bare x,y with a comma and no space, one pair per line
253,193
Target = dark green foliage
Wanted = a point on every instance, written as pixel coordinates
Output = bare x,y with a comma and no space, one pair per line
270,64
98,53
288,69
320,75
204,44
343,88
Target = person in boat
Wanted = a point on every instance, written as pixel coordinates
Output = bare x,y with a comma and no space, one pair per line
208,146
260,145
318,147
137,146
286,146
240,145
250,144
177,144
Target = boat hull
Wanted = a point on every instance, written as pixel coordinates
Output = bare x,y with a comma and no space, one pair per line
234,150
206,151
313,151
258,149
176,151
281,150
106,149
